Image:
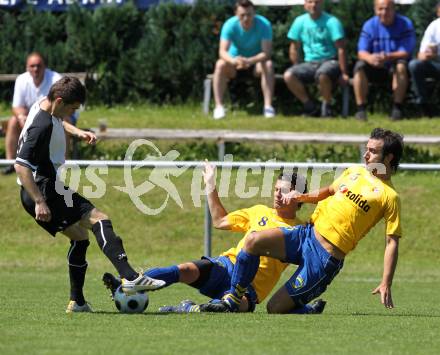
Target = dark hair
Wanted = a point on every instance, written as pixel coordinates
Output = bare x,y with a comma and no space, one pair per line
69,89
297,182
392,143
244,3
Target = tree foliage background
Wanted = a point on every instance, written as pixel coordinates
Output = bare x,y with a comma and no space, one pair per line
160,55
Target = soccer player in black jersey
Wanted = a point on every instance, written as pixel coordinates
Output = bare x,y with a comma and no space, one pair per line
41,152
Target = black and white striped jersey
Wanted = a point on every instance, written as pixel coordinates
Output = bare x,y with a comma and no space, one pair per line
42,144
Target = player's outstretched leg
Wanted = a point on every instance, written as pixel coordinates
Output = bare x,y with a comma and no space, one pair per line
112,247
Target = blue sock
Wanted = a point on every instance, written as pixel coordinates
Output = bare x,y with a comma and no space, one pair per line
306,309
245,269
168,274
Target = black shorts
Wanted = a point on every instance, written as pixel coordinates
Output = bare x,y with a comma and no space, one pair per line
246,74
378,75
62,215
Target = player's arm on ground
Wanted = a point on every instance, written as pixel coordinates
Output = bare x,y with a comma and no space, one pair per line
218,212
42,211
86,136
309,197
389,267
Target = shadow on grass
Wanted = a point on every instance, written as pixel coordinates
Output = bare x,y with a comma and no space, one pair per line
143,314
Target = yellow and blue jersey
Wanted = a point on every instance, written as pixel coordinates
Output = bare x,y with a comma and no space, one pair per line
360,201
258,218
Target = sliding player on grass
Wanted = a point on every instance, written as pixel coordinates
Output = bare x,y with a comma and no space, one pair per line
212,276
346,211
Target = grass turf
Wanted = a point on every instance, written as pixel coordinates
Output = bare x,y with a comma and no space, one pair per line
34,282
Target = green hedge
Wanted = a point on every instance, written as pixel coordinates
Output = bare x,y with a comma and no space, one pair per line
161,55
115,150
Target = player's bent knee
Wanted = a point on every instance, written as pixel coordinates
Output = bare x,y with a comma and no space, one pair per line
251,243
97,215
287,76
220,65
188,272
76,233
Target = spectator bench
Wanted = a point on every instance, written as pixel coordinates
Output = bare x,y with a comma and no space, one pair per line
207,93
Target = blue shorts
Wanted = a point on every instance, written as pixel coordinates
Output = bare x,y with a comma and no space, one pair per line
316,267
219,281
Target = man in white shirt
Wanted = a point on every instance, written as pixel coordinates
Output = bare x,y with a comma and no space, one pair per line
427,65
29,87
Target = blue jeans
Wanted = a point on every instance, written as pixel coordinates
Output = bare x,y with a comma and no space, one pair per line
421,70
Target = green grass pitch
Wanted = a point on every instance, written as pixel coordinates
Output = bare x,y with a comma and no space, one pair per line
34,285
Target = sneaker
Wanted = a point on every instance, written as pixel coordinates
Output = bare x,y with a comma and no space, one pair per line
219,113
141,283
326,110
317,306
311,109
427,110
74,307
361,115
111,282
8,170
229,303
269,112
396,114
186,306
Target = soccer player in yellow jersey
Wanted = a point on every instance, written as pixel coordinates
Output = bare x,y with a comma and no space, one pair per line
346,211
212,276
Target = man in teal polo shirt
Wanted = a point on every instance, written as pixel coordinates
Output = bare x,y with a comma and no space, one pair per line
245,47
321,36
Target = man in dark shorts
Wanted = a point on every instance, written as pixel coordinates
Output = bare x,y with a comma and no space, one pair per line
385,46
41,151
320,36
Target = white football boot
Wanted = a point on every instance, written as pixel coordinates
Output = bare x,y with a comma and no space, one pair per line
74,307
142,283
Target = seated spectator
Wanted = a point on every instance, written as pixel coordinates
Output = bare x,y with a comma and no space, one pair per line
385,46
245,47
321,36
29,87
427,65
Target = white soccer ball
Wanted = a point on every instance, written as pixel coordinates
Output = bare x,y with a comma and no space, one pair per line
136,303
